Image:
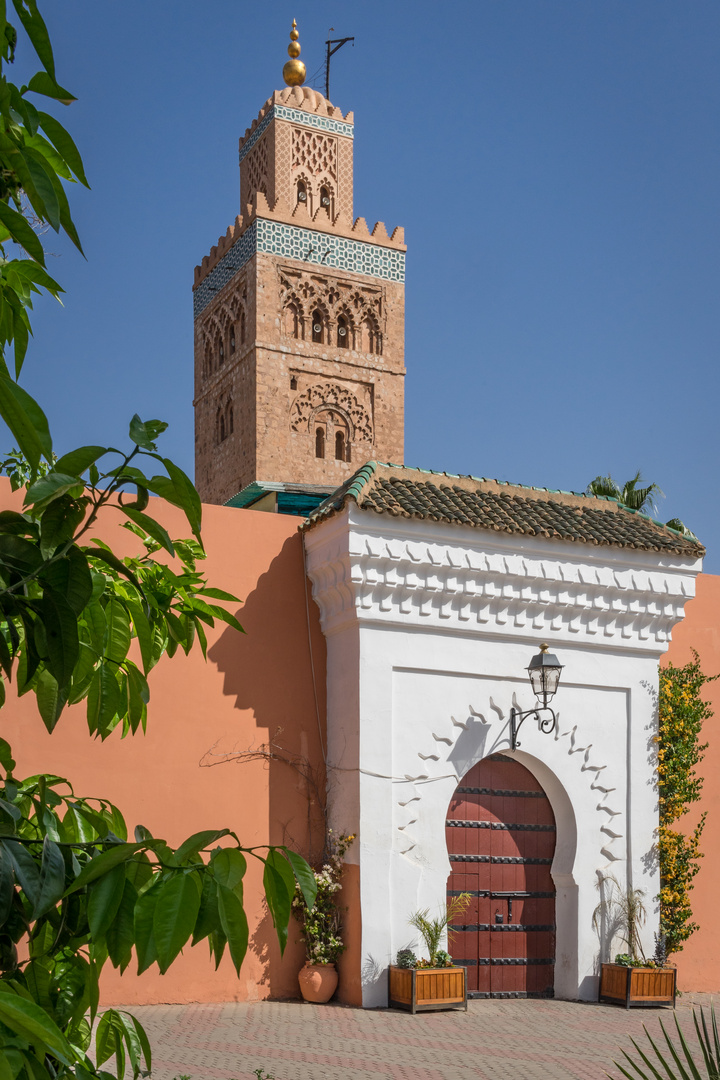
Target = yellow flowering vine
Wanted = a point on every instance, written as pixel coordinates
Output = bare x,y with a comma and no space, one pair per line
682,712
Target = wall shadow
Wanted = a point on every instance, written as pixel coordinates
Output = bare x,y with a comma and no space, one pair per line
281,732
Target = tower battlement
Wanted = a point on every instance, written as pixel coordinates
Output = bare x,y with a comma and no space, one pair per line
299,314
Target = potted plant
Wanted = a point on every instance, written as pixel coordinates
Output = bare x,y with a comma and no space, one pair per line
322,927
632,980
434,982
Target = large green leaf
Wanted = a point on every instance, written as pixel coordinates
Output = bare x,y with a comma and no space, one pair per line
31,1022
6,886
102,863
26,420
70,578
151,527
144,922
109,1042
19,554
36,30
208,919
77,461
51,700
229,866
279,884
41,83
143,632
176,910
52,878
22,233
42,179
198,842
144,433
234,924
104,897
54,484
112,561
61,635
64,145
117,641
304,876
120,936
103,699
60,519
25,869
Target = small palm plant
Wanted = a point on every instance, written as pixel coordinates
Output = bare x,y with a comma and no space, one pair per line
432,930
620,913
671,1060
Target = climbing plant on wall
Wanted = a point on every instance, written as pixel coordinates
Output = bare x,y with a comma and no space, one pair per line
682,712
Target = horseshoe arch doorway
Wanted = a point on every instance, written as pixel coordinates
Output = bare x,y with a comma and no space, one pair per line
500,831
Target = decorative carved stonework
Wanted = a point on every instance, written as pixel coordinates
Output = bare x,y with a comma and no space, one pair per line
331,396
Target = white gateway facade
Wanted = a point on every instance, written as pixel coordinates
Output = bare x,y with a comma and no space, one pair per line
435,592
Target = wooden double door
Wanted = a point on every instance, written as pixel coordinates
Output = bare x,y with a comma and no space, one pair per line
501,840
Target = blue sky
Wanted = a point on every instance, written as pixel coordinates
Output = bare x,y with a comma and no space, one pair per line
554,162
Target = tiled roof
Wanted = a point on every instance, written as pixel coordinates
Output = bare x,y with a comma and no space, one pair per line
501,507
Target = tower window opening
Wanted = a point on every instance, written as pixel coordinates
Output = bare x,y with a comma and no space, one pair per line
320,442
222,428
293,321
317,327
343,335
371,336
221,352
293,383
242,327
302,191
232,340
340,446
325,199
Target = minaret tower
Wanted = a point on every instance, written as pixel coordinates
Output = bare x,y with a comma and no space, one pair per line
299,315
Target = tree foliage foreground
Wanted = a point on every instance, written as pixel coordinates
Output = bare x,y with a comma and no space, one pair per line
79,625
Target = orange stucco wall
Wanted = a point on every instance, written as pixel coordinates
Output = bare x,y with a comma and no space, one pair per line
699,962
252,687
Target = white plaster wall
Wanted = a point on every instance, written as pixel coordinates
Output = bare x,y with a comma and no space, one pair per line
429,629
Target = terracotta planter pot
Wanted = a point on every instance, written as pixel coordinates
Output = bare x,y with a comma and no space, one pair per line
318,982
634,987
427,989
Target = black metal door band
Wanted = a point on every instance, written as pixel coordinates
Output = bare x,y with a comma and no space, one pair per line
501,895
472,928
515,859
501,792
459,823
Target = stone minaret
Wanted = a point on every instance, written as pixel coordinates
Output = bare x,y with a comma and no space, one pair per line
299,313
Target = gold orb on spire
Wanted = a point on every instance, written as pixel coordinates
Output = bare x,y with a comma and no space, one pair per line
294,71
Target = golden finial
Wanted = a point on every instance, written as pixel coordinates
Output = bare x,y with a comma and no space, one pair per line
294,71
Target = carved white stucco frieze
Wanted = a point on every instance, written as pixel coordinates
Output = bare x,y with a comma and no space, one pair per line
377,568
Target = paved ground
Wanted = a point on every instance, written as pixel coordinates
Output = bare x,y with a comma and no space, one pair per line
494,1040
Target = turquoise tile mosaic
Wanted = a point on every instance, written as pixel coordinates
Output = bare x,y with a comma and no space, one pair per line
307,245
297,116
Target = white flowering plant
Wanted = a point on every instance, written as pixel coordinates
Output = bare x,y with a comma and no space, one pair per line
322,926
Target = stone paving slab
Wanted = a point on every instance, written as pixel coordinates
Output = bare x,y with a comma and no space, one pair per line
494,1040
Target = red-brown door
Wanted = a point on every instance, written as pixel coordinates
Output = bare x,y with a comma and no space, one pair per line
501,840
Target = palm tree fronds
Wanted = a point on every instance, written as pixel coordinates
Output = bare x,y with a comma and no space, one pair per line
604,485
674,1068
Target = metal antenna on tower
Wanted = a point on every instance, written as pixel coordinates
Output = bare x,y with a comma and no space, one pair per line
337,43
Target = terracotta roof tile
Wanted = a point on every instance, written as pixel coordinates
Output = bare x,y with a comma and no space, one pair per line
501,507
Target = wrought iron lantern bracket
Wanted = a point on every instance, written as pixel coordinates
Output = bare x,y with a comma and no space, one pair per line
547,723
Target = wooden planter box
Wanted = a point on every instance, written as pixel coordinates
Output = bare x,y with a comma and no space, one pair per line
426,989
634,987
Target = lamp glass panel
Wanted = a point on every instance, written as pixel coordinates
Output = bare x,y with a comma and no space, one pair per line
552,678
